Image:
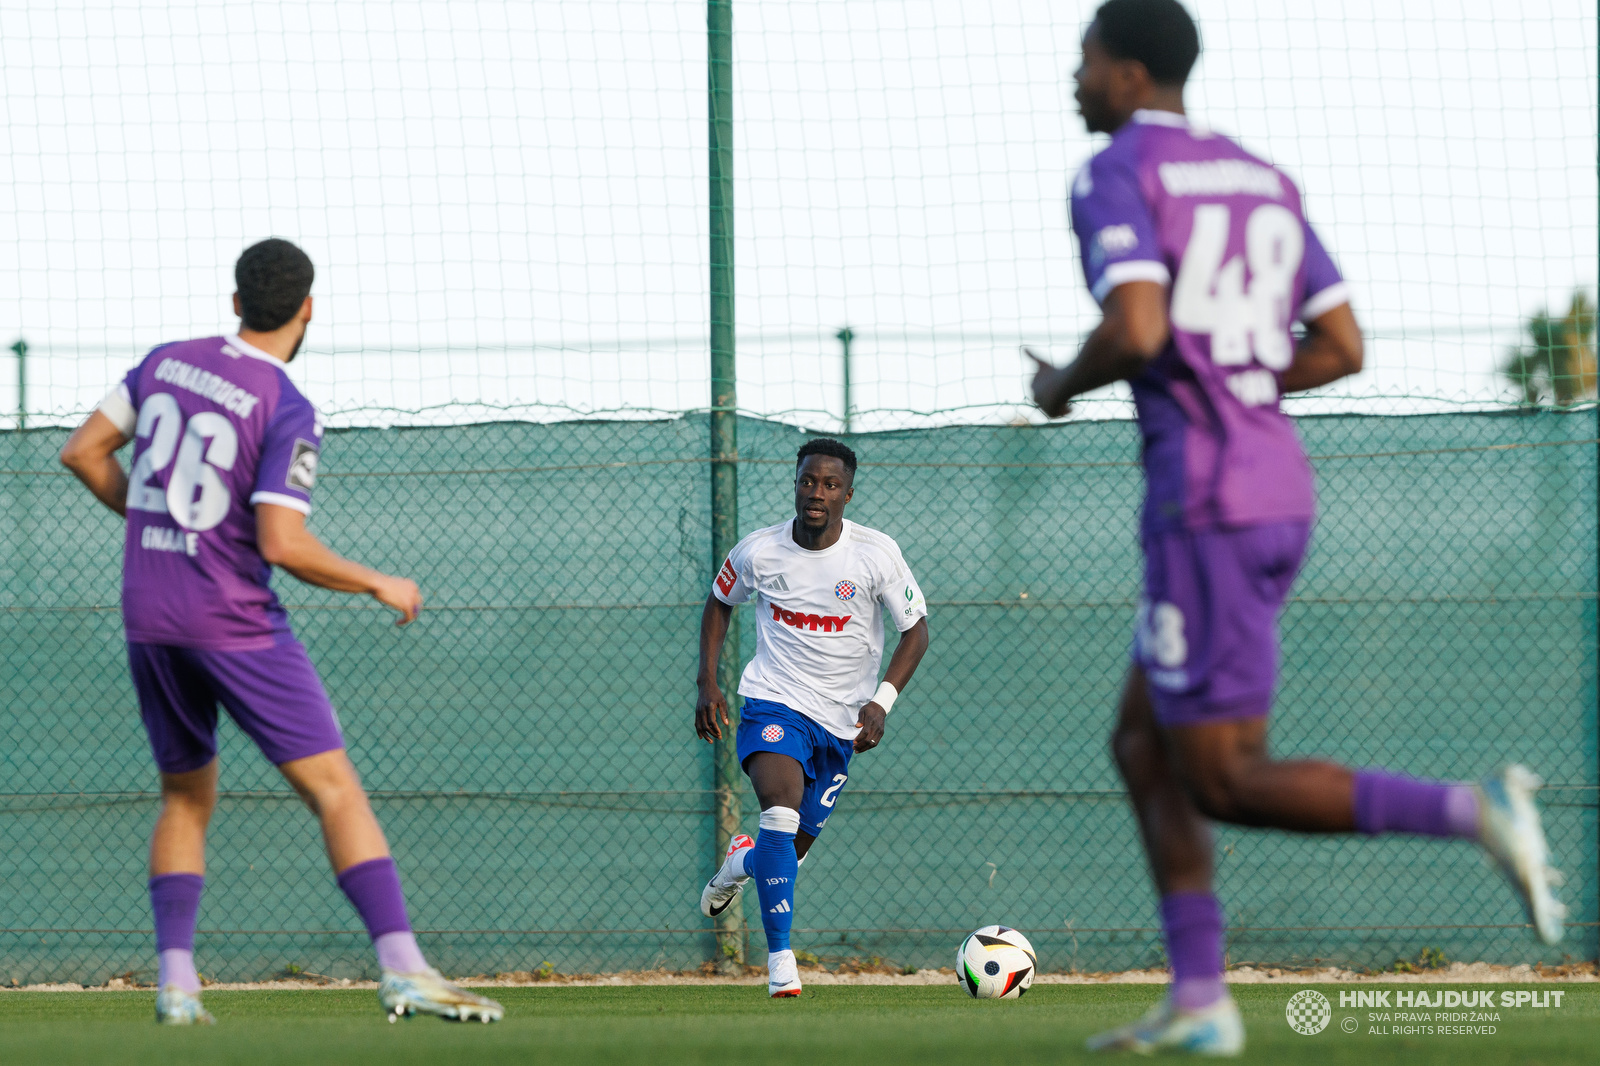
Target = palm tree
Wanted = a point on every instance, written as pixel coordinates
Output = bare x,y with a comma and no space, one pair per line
1559,366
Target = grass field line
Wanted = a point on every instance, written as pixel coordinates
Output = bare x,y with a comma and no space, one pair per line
1453,973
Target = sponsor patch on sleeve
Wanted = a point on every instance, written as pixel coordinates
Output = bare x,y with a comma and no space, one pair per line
726,578
303,466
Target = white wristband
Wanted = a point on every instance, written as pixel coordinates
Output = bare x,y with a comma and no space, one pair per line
885,696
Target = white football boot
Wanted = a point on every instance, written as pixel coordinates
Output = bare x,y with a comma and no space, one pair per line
724,887
427,992
1216,1031
174,1006
783,975
1510,831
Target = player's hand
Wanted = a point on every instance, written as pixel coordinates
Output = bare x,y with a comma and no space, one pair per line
707,709
870,722
1046,386
402,595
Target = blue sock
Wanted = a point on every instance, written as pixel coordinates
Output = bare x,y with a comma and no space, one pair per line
772,863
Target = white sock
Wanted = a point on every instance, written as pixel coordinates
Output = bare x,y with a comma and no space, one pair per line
177,968
736,866
398,951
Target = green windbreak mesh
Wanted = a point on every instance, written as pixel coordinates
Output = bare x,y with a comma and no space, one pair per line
529,747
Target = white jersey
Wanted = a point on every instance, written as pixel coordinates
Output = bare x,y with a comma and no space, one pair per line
819,618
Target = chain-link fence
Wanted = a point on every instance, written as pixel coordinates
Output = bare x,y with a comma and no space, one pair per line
529,741
537,210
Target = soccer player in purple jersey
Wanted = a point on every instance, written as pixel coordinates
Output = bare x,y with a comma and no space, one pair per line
1200,256
224,460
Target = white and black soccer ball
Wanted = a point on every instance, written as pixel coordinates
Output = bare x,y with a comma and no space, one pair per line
996,963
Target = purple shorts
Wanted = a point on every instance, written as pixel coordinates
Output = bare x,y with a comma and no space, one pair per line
274,695
1207,635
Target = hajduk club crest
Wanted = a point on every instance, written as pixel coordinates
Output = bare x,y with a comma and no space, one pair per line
845,590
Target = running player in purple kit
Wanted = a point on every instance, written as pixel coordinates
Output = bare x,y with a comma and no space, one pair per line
1201,259
223,466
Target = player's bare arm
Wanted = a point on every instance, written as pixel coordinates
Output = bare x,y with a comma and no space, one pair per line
91,454
711,708
1331,349
1132,331
285,542
902,664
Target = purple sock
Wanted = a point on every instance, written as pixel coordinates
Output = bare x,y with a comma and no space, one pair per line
1192,922
1388,803
175,902
374,890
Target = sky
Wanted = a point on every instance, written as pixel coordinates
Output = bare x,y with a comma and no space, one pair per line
506,201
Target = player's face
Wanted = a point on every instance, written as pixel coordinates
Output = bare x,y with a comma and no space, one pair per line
821,489
1099,85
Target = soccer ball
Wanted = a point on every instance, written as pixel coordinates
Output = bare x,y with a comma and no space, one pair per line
996,963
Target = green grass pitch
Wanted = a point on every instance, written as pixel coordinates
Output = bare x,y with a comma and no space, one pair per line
832,1025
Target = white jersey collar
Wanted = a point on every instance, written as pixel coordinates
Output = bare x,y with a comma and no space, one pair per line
246,348
1151,117
820,553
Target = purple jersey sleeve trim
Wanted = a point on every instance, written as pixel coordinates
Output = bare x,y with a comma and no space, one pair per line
1116,231
1321,303
294,503
291,449
1324,285
1130,270
118,406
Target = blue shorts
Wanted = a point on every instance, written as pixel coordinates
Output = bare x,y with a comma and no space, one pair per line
825,758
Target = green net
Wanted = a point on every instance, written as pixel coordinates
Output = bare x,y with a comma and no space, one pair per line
529,742
507,206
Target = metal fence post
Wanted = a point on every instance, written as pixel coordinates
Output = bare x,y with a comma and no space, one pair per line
21,348
846,335
726,813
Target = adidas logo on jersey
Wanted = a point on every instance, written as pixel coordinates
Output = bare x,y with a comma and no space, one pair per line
782,907
778,584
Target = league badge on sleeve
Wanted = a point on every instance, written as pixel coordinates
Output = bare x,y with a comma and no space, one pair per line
302,466
845,590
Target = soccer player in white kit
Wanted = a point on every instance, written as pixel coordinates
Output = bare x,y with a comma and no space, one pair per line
822,588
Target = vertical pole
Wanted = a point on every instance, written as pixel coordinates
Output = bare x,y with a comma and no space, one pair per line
726,813
21,348
846,335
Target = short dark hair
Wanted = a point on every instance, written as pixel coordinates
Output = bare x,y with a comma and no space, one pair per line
831,447
274,278
1158,33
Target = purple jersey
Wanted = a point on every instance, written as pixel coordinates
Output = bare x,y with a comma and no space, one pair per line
218,427
1226,233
